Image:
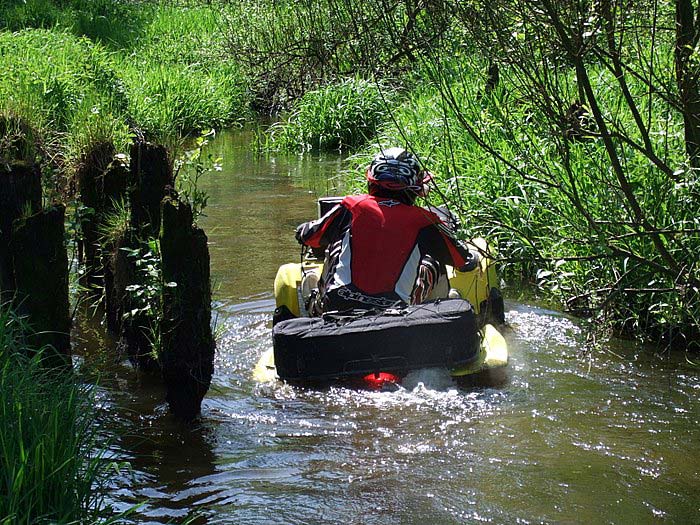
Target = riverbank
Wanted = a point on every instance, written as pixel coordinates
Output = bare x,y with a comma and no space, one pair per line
94,78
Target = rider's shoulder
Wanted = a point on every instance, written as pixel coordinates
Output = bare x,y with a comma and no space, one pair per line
353,200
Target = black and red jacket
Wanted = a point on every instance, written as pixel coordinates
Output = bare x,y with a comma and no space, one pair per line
374,247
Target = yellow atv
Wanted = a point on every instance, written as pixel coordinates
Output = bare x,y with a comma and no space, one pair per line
456,332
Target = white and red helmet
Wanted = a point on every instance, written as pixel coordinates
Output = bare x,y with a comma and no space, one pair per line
396,169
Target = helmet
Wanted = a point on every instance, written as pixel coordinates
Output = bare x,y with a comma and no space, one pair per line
396,169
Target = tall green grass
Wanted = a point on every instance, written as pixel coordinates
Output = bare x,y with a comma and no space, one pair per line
339,116
178,78
65,88
51,470
113,23
94,70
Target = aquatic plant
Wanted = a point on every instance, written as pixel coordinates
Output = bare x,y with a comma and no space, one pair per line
189,169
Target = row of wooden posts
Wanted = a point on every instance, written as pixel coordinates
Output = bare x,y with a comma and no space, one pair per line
34,267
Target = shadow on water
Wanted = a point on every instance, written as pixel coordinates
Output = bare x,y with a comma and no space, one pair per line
612,438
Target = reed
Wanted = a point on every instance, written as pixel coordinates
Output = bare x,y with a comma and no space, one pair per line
53,470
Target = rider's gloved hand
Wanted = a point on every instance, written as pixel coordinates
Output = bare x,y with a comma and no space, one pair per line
472,262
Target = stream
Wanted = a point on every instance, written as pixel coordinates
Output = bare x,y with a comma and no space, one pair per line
609,436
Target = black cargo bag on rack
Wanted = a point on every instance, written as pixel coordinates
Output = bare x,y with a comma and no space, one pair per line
350,344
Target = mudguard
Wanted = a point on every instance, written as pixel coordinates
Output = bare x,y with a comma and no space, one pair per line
288,285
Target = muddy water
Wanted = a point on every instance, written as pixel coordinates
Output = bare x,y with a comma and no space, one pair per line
610,439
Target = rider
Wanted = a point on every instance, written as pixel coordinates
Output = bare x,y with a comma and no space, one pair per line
381,250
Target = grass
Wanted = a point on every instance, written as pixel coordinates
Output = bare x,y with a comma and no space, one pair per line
64,88
82,72
339,116
52,470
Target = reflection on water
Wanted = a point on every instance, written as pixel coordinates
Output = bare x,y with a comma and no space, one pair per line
255,204
564,440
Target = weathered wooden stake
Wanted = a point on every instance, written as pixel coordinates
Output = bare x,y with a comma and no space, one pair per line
187,342
90,174
151,172
40,265
20,193
120,271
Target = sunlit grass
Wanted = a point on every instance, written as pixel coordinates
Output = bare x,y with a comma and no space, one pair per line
52,470
339,116
168,79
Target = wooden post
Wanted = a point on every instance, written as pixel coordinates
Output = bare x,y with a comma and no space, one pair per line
90,176
187,342
151,172
20,193
114,182
132,330
40,264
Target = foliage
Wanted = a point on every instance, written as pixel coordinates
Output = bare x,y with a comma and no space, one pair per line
576,162
54,72
336,117
566,131
18,141
100,20
189,168
170,100
52,465
291,47
178,80
89,80
145,295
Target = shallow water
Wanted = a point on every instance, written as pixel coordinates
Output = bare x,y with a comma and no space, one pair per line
565,438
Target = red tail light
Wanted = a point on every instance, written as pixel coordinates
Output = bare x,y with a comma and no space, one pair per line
377,380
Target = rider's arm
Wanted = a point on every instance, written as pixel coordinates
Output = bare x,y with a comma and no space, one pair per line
321,232
439,241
